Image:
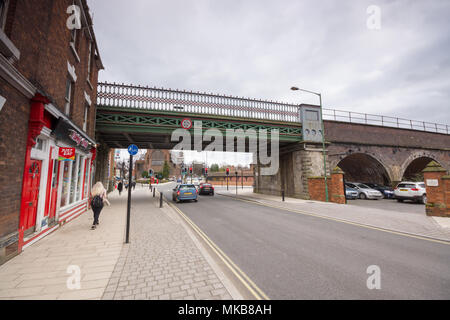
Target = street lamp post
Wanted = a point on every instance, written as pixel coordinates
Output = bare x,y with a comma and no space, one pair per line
323,139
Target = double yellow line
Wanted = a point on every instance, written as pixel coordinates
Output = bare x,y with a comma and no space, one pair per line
243,278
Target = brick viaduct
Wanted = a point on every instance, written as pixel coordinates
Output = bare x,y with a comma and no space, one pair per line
366,153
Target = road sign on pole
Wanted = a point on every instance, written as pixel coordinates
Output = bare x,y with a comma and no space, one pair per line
130,177
133,149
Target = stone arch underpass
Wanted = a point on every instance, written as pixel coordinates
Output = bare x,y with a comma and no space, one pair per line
361,167
383,164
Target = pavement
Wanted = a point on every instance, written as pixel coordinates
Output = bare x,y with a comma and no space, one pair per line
311,253
163,260
386,216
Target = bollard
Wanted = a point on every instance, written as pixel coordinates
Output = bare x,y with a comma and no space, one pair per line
154,192
160,199
282,195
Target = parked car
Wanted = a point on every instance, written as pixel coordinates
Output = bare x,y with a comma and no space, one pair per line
206,188
387,192
415,191
365,192
351,193
179,180
184,192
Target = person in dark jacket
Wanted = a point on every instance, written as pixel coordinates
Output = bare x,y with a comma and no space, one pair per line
133,184
99,197
120,187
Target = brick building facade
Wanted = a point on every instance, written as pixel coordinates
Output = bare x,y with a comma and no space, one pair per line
154,159
48,81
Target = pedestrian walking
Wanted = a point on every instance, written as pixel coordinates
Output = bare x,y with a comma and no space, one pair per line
133,184
99,197
120,187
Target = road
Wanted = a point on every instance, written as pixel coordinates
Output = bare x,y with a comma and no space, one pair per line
294,256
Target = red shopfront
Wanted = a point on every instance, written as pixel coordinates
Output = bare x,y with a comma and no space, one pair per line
55,190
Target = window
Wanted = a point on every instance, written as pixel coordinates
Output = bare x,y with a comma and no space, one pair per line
74,178
86,116
75,38
89,61
39,144
3,11
65,183
80,179
86,177
69,96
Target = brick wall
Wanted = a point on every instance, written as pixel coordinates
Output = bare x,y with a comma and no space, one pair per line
38,29
40,33
438,203
222,181
13,119
368,134
335,183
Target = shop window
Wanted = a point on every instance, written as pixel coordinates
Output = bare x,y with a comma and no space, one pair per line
67,166
74,179
86,178
80,179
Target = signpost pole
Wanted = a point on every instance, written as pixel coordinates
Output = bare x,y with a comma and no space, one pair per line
129,199
132,150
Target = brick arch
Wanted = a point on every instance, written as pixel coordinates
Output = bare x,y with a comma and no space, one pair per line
364,167
417,156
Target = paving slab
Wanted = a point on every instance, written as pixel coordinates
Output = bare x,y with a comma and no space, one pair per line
163,260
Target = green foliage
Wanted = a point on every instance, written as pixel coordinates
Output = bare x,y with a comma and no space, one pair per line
214,168
166,170
145,174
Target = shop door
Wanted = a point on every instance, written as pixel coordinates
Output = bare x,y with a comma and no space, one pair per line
32,181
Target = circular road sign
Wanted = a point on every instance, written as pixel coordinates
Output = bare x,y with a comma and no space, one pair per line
133,150
186,123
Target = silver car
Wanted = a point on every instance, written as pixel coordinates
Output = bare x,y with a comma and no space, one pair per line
365,192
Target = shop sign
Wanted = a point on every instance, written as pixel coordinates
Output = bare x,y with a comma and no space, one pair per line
78,139
66,154
65,132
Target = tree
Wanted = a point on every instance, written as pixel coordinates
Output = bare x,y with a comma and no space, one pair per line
166,170
214,167
144,174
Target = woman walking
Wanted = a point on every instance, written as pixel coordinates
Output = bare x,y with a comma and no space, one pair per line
120,187
99,196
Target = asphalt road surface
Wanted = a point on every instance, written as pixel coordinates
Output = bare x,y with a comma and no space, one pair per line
294,256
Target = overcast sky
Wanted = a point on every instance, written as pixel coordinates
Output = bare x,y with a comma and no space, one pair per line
260,48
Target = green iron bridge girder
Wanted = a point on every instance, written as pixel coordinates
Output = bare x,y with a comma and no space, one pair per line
151,125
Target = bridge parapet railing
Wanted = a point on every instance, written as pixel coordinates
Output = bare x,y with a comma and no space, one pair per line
384,121
138,97
168,100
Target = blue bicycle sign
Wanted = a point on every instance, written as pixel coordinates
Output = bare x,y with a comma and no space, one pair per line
133,150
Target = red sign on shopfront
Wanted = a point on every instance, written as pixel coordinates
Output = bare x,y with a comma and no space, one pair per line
66,154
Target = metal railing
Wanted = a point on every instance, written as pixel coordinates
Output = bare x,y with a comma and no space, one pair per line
127,96
159,99
384,121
